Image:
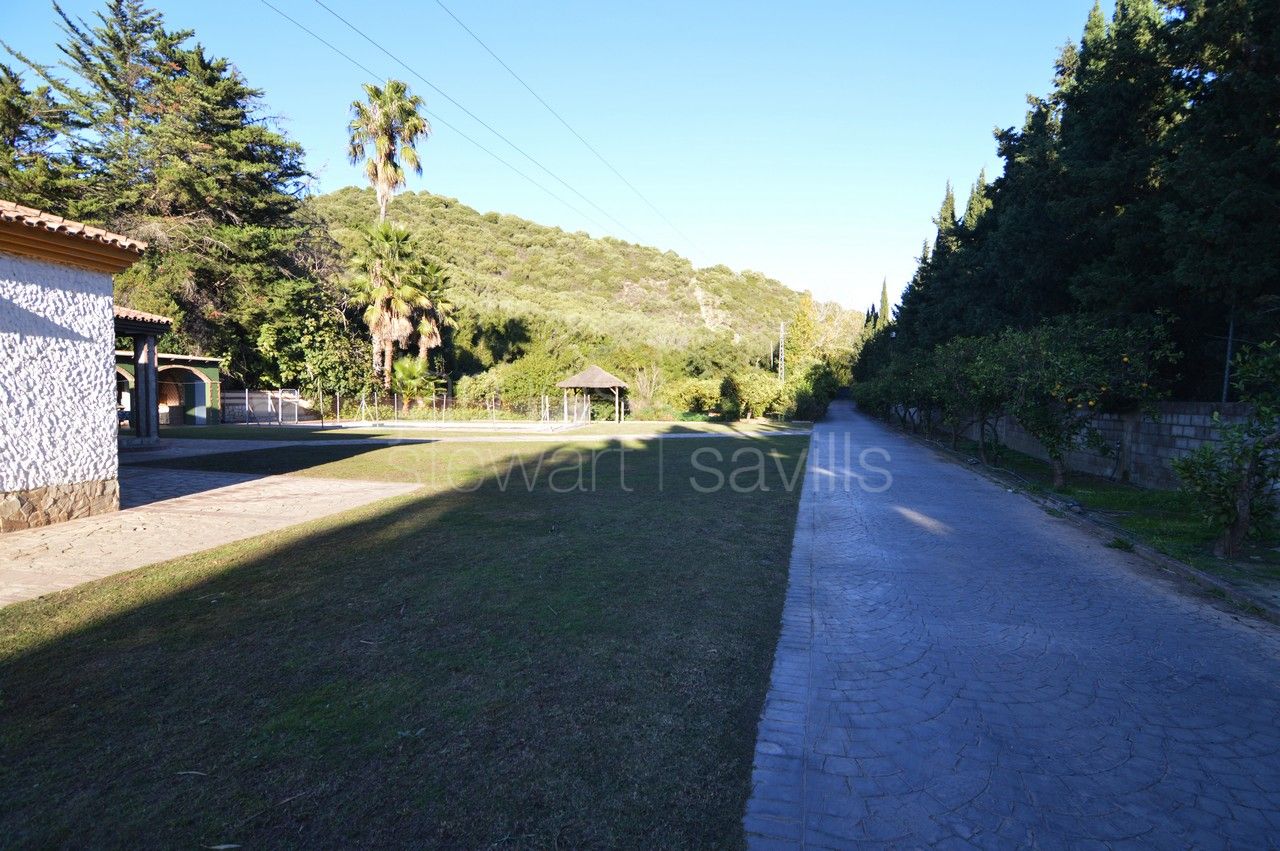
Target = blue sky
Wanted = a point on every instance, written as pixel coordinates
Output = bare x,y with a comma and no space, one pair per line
810,141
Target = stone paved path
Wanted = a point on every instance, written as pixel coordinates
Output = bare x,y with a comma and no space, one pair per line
169,513
959,669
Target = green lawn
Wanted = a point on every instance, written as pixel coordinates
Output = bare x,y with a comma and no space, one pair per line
747,427
456,667
472,429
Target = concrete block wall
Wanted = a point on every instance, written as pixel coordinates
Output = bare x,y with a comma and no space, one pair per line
1142,448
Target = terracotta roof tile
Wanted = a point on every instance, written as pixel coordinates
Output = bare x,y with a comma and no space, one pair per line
11,212
138,316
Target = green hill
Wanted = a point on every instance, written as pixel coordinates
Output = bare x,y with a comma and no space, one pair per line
601,290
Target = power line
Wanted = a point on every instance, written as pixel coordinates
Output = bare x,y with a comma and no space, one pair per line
566,124
434,117
476,118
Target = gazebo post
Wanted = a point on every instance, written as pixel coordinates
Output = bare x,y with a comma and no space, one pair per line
566,406
617,411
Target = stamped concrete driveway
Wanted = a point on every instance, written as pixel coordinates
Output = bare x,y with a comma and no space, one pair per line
957,668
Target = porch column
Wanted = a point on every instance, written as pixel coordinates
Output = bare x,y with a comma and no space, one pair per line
145,388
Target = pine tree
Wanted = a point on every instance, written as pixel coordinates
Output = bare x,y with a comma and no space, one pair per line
945,221
32,170
1094,41
1222,201
169,143
978,204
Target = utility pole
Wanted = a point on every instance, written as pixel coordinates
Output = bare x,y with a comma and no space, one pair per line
1226,369
782,352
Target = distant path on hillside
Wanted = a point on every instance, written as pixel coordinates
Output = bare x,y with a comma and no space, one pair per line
957,668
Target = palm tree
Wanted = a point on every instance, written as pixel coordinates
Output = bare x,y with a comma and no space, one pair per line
435,313
389,122
392,283
412,378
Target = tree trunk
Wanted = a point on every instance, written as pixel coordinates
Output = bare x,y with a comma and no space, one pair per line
1234,536
955,437
1059,474
982,439
388,355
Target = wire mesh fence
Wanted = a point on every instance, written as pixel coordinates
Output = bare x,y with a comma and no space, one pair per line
289,406
265,407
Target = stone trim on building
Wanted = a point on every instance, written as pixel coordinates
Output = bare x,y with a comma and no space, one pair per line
42,506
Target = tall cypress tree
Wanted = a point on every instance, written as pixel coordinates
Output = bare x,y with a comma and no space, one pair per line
945,221
885,316
1221,215
978,204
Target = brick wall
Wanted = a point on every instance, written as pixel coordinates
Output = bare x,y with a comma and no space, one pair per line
1142,448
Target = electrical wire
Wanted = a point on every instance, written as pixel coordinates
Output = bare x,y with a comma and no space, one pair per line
567,125
475,117
434,117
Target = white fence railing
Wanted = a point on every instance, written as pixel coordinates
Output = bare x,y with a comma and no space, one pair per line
264,407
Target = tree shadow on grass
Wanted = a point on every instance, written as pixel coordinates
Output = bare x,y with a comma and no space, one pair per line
148,482
504,665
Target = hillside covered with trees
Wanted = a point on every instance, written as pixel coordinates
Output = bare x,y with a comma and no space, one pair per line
140,130
521,289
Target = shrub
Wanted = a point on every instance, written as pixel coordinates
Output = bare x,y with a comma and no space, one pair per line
478,389
656,411
808,397
748,393
1234,480
696,395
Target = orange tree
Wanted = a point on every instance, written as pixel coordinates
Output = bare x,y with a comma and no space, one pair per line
1062,374
970,386
1234,479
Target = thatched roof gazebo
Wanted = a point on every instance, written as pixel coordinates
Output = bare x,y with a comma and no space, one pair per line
594,378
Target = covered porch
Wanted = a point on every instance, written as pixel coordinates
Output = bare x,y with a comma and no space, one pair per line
143,329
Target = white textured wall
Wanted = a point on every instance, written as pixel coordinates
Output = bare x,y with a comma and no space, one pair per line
57,375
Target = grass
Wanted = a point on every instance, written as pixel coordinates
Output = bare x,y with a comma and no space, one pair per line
1168,521
471,429
513,667
745,427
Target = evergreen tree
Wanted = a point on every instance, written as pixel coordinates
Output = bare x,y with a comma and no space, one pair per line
978,205
168,143
884,305
32,171
945,221
1221,212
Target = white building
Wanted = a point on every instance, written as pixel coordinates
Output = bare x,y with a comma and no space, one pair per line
58,430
